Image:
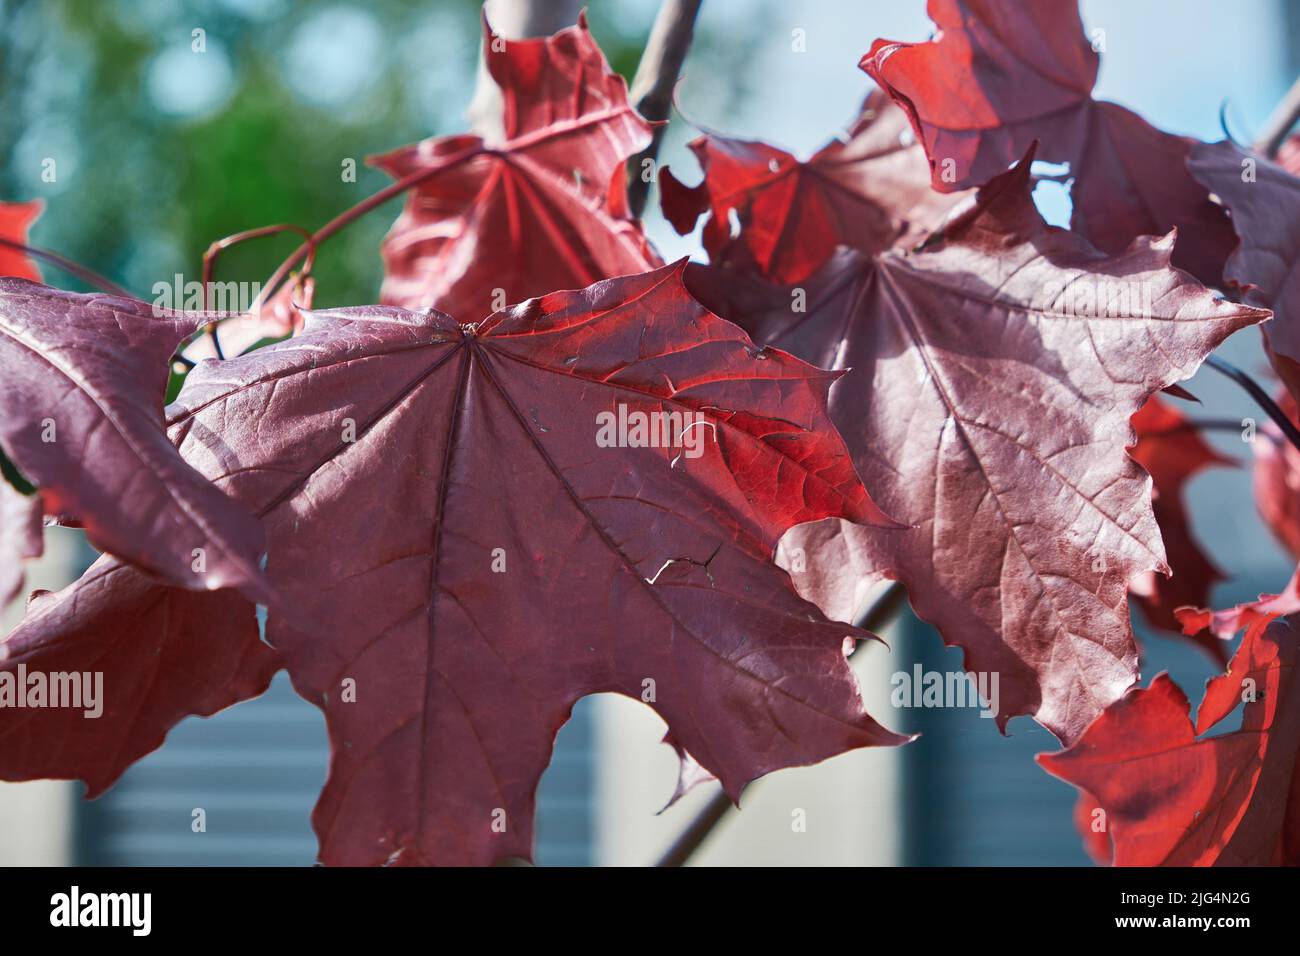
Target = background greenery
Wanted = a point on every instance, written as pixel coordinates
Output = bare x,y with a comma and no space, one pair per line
159,150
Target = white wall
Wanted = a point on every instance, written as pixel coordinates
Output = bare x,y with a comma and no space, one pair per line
36,817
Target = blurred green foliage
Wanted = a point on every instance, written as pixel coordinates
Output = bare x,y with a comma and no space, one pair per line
159,149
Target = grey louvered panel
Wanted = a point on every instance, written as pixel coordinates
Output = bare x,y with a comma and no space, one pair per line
256,770
972,796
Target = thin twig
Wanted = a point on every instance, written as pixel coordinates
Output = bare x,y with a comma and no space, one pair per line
880,613
1280,122
512,20
1261,397
88,276
652,87
697,831
355,212
1195,425
221,245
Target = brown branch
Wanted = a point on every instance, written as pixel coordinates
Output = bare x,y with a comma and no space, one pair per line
1280,122
880,613
652,87
1261,397
512,20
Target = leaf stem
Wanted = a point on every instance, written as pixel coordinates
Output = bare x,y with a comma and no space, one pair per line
1261,397
1205,425
88,276
221,245
652,86
355,212
880,613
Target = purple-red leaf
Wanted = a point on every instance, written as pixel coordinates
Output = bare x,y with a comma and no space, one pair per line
1003,74
1264,200
81,417
869,192
993,375
160,654
474,517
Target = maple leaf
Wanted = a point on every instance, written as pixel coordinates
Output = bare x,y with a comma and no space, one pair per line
869,192
1264,200
81,417
1277,479
531,213
994,373
164,654
1002,74
15,219
440,497
1176,797
1172,452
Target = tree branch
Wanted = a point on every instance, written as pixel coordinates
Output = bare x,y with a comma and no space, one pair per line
652,87
879,614
512,20
1280,122
1261,397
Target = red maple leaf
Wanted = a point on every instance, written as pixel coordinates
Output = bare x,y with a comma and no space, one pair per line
81,417
442,499
1002,74
531,213
994,373
1172,451
1277,479
1173,796
15,219
870,192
